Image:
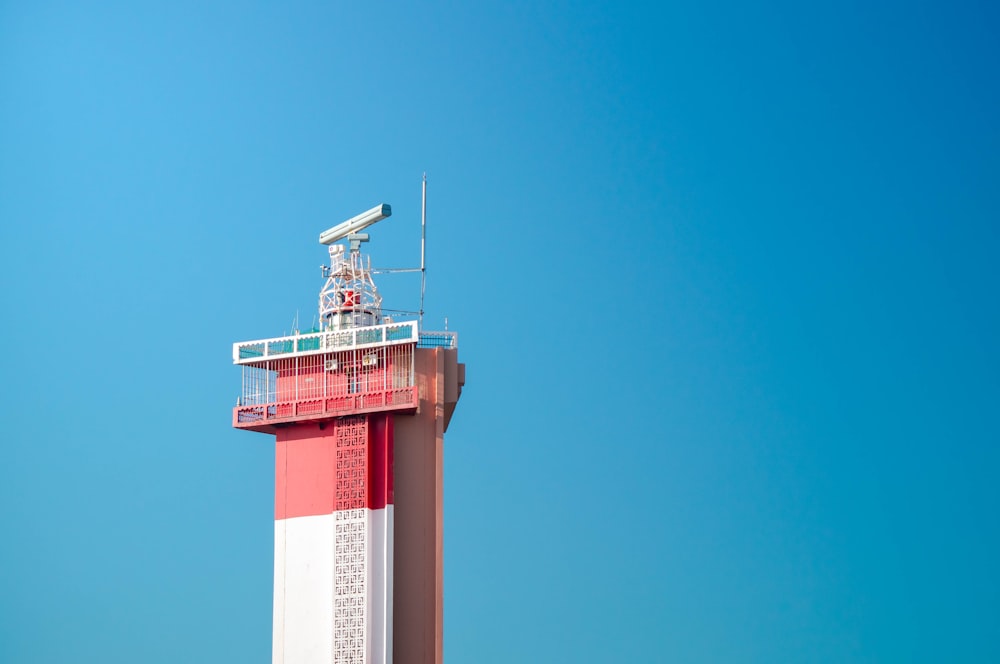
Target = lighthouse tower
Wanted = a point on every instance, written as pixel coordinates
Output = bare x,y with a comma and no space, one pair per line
358,409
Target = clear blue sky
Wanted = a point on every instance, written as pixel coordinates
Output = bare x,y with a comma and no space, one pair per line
725,278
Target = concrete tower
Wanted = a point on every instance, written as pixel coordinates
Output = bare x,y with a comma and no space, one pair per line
358,408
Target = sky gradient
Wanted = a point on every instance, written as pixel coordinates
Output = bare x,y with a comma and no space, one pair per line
725,281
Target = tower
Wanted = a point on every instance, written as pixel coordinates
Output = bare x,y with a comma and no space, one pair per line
358,408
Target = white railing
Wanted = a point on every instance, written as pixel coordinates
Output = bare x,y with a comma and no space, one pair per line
251,352
438,340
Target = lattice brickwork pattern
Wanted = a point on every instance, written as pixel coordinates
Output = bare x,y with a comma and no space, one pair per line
352,463
350,561
349,587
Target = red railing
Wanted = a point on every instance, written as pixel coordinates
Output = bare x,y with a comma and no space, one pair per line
265,415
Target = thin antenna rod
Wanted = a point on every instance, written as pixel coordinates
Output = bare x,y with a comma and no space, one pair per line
423,250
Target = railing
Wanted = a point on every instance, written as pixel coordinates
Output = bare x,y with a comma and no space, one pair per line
248,352
274,413
438,340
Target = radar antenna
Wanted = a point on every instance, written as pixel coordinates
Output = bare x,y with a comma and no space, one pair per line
349,297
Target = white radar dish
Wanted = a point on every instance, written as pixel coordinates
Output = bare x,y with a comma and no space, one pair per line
355,224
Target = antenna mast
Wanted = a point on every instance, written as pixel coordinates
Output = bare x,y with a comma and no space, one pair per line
423,249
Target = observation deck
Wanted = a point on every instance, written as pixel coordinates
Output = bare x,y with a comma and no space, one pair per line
321,375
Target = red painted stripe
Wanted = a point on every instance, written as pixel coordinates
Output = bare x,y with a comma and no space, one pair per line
341,464
380,445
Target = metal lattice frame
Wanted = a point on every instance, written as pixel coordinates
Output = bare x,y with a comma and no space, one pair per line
349,297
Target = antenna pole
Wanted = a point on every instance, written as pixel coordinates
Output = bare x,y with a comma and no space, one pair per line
423,249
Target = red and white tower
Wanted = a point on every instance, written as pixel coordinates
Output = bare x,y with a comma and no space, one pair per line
358,408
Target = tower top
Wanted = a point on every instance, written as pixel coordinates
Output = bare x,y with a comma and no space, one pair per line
349,297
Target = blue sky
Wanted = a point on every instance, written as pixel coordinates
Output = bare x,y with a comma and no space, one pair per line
725,280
